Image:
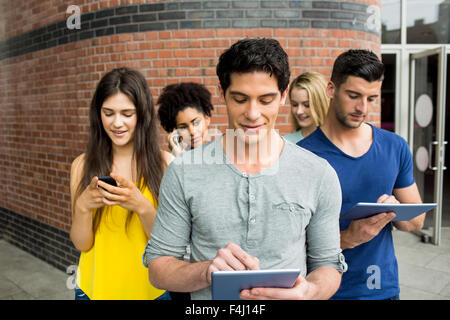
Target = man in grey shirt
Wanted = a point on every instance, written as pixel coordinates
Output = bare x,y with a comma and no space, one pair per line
249,199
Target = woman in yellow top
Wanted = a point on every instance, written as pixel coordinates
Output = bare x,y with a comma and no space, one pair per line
112,224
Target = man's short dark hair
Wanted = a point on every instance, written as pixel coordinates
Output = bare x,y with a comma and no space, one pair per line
359,63
254,54
177,97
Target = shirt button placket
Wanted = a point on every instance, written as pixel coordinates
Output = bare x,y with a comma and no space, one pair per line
251,240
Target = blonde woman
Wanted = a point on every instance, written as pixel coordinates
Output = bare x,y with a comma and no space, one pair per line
309,103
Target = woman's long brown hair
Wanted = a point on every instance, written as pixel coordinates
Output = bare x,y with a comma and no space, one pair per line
146,152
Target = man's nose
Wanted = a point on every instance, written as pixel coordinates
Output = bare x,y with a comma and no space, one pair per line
363,105
253,111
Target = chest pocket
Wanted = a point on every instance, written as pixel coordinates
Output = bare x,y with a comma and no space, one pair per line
289,220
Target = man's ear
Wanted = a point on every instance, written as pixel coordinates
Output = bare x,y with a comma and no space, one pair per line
331,88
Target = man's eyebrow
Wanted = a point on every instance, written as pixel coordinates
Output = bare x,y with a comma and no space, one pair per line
239,93
270,94
353,92
359,94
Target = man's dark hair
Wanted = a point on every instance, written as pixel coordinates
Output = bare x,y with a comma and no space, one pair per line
359,63
177,97
256,54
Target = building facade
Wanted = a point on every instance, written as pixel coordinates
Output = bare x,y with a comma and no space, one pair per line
53,53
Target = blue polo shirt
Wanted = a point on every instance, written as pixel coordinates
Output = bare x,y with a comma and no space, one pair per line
372,266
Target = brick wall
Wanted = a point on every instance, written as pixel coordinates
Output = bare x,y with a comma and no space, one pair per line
48,74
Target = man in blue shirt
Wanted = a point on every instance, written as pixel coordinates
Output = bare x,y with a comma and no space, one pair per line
373,165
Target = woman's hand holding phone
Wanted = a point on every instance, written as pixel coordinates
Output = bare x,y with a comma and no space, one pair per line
126,194
91,198
176,143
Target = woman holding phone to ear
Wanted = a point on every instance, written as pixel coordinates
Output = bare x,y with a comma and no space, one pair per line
185,111
111,225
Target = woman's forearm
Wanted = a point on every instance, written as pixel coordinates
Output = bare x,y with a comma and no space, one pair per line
81,232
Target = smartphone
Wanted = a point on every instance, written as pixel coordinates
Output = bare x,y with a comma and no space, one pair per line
108,180
177,139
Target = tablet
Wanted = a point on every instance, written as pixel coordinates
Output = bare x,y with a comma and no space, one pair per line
226,285
403,211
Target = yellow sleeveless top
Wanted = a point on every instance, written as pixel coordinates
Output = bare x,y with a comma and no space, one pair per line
112,268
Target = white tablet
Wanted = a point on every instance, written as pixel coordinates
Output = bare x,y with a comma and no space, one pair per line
403,211
227,285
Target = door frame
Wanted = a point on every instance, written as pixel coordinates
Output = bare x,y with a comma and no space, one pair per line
441,51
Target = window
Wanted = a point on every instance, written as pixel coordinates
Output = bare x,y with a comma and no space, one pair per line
388,92
390,21
428,21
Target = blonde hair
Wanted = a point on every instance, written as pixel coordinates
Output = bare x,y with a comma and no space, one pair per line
315,85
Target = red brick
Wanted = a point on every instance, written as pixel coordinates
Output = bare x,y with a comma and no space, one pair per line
180,53
287,33
179,34
146,45
226,33
165,54
198,34
164,35
308,52
259,33
323,52
201,53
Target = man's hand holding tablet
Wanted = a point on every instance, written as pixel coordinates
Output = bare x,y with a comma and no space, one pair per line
232,257
368,219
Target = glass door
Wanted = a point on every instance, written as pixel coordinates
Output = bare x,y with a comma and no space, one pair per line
427,132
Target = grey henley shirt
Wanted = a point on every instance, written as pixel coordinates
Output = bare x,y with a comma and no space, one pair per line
287,215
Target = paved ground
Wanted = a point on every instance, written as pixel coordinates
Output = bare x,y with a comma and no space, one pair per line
424,272
424,269
25,277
